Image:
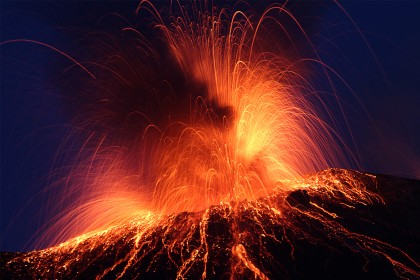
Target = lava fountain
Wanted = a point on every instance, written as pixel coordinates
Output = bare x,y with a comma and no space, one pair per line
243,126
232,140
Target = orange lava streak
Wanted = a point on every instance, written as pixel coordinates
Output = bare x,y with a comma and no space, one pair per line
267,132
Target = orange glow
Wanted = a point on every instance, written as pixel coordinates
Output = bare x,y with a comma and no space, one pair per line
250,129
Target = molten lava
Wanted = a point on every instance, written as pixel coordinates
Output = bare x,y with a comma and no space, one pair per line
336,230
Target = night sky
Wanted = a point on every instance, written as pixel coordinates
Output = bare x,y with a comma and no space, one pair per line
382,69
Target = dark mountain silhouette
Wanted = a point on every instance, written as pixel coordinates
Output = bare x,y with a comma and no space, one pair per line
337,224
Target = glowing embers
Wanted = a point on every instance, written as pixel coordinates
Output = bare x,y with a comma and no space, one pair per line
234,121
250,126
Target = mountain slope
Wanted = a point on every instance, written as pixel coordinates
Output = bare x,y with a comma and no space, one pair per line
337,224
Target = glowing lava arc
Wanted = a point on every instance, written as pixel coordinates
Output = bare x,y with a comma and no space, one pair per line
253,128
249,135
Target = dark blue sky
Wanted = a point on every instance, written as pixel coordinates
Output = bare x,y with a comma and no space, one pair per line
383,72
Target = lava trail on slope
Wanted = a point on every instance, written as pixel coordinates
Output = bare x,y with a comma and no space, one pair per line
316,230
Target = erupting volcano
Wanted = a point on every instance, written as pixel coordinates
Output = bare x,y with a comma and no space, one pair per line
208,153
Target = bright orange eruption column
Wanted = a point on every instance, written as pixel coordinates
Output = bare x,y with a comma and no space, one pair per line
251,131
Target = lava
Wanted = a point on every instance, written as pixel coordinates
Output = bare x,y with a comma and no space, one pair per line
216,185
242,122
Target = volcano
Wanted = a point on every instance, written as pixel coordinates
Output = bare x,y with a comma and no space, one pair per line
316,230
188,138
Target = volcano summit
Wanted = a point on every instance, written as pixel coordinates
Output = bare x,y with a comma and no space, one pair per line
315,231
